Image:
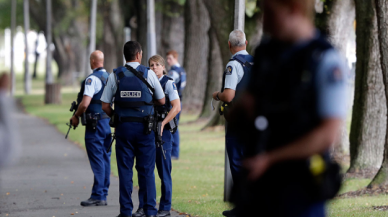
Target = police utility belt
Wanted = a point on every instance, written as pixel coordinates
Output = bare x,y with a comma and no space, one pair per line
148,121
91,120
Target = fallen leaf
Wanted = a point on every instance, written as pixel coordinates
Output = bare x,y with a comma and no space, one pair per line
7,193
72,214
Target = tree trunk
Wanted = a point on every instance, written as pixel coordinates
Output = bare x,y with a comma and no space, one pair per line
197,24
368,127
222,24
214,76
27,77
13,25
170,28
69,48
141,16
381,179
254,29
340,27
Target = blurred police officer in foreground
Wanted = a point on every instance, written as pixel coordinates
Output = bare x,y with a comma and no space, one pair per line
290,116
97,131
239,67
135,89
10,146
166,114
177,72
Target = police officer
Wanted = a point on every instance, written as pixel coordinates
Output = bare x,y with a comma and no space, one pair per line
177,72
135,89
232,85
166,114
291,114
97,132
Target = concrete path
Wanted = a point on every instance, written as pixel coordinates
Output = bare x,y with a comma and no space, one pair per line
52,177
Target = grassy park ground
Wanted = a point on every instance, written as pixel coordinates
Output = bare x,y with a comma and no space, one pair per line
198,174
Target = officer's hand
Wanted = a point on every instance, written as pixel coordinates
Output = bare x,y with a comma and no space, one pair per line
257,166
74,121
215,96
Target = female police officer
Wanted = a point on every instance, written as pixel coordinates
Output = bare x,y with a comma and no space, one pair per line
171,108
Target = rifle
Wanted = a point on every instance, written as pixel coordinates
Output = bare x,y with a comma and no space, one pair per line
111,143
158,138
73,108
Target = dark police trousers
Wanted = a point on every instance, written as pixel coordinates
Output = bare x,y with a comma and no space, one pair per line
235,153
164,167
131,143
176,139
96,143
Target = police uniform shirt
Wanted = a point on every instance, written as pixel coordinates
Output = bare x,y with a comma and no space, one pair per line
171,90
111,86
174,74
234,72
93,85
332,76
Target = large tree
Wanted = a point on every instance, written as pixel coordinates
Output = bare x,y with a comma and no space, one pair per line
69,34
381,178
368,127
113,33
197,24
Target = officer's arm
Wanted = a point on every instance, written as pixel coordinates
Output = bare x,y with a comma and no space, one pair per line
227,96
176,108
84,104
107,109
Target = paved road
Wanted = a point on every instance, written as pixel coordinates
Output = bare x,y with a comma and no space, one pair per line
52,177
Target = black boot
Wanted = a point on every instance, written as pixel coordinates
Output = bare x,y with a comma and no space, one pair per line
163,213
93,202
139,213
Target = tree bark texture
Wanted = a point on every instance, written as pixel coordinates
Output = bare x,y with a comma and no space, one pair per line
222,24
197,24
368,127
381,178
214,80
141,17
340,28
170,28
112,38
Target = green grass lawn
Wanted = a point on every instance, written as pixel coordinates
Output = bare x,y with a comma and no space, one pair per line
198,175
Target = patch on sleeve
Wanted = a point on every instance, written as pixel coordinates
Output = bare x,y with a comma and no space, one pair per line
229,70
88,82
174,86
336,75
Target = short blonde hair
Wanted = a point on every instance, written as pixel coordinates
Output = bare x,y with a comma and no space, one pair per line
159,59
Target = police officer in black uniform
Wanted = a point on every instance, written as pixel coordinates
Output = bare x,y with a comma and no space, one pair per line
290,115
